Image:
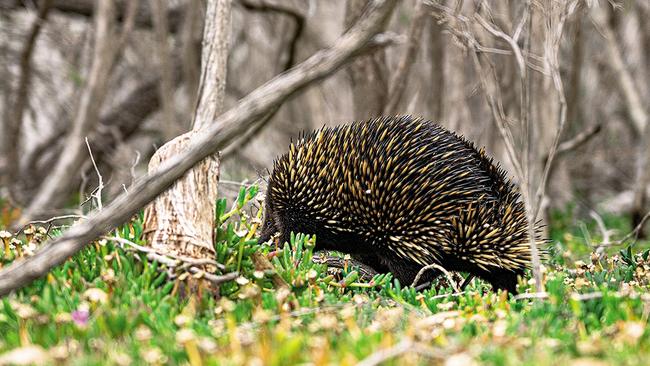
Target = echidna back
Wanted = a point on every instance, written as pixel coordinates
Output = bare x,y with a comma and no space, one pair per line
400,193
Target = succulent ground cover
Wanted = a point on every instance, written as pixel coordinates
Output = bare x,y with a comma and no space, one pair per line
110,304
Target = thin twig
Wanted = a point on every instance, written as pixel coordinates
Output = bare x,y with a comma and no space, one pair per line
603,230
573,296
441,269
100,180
49,221
534,295
577,140
635,233
382,355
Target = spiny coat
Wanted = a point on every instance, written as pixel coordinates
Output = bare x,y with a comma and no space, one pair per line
399,193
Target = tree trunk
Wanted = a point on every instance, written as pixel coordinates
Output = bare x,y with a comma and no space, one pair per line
181,220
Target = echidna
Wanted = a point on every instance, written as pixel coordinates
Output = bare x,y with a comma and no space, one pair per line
399,193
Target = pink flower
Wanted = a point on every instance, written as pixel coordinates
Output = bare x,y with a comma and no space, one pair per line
80,317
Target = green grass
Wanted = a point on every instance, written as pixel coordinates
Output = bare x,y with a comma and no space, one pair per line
109,305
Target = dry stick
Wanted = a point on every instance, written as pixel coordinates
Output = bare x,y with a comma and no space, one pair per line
551,54
577,140
100,184
534,295
533,201
400,77
441,269
524,107
20,103
634,232
574,296
382,355
215,136
603,229
169,259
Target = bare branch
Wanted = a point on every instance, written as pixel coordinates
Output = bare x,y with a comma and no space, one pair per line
406,346
578,140
168,261
100,179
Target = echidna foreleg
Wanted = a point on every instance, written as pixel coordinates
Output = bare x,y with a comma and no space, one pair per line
466,281
501,279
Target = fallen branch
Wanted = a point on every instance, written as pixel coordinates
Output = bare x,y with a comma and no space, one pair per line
216,136
168,258
189,264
